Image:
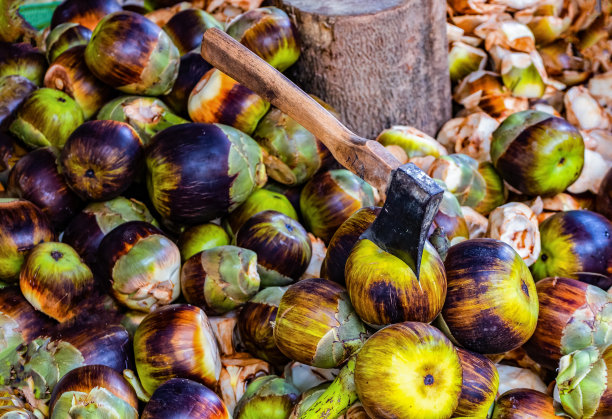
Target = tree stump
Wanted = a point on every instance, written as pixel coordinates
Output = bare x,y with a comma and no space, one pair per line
378,62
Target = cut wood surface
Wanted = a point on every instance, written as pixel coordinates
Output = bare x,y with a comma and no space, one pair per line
379,63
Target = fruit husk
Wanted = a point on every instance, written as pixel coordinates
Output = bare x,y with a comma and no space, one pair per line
464,59
449,218
147,115
13,91
385,290
460,174
63,37
11,150
491,307
237,372
521,76
69,74
23,227
480,384
524,403
496,192
191,69
187,27
201,237
268,396
132,54
415,143
36,177
87,14
22,59
282,246
220,279
317,325
46,118
217,98
176,341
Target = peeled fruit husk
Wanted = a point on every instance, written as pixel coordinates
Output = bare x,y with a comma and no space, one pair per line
47,118
450,218
460,174
477,223
491,306
176,341
132,54
237,372
520,74
63,37
220,279
469,135
583,110
317,325
464,59
408,370
595,167
268,396
385,290
524,403
511,378
414,142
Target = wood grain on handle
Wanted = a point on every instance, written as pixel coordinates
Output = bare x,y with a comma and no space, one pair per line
366,158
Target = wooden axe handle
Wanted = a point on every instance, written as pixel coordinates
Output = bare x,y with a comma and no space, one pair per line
366,158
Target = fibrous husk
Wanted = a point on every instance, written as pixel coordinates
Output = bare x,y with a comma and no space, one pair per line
237,372
599,140
469,135
600,87
477,223
318,255
583,110
593,172
513,377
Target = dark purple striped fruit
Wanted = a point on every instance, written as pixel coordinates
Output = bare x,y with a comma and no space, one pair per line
199,172
11,150
342,243
13,91
330,198
480,384
217,98
17,313
142,264
187,27
491,302
36,178
282,246
23,226
179,397
576,244
101,159
131,53
88,228
317,325
523,403
90,390
269,33
176,341
87,13
22,59
255,324
159,4
65,36
55,280
191,69
69,73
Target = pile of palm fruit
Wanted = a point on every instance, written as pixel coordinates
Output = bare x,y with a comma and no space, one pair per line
171,245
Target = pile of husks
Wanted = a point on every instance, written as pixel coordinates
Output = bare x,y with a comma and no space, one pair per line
173,246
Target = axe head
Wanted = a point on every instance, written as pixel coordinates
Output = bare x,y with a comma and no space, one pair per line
403,224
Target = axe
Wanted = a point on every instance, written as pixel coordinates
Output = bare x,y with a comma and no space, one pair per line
413,198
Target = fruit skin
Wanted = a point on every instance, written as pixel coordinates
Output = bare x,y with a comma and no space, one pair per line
572,316
269,33
576,244
30,322
460,174
176,341
187,27
202,237
603,202
87,13
342,242
23,227
450,217
282,246
220,279
35,177
63,37
330,198
47,118
268,396
131,53
524,403
192,68
408,370
11,150
142,264
22,59
199,172
101,159
317,325
496,192
385,290
537,153
491,302
88,228
217,98
69,74
55,280
179,397
480,384
13,91
255,324
84,379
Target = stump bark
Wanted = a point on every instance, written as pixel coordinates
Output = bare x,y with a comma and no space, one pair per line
379,63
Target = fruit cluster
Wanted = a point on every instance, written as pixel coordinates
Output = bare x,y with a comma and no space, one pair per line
171,245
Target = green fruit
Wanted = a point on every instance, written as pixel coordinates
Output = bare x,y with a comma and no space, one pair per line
202,237
47,118
65,36
267,397
537,153
495,194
